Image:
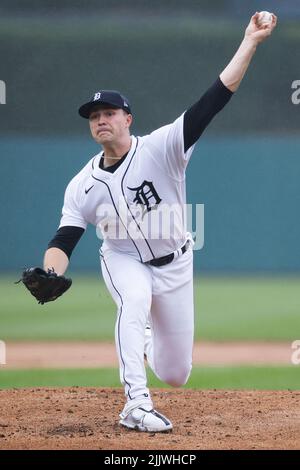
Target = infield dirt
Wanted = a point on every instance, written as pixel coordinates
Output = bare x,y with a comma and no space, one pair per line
97,354
87,418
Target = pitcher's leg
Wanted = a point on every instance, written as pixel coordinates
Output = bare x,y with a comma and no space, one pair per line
130,285
172,318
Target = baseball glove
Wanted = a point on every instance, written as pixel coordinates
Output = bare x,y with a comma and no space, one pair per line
44,286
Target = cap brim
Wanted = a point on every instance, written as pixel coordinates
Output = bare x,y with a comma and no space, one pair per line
86,109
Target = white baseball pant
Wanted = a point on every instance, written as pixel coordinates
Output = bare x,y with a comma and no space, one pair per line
166,293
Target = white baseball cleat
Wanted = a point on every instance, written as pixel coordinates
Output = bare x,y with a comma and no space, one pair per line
145,418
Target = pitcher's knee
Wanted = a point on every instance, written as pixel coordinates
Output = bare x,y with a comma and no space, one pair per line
176,376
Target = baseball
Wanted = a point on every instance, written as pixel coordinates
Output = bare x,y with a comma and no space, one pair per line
264,17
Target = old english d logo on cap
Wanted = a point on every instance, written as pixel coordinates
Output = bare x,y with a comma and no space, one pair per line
97,96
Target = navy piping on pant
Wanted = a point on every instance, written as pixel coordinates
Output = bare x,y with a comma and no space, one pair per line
118,325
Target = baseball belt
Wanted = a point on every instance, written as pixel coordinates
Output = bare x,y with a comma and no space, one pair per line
163,260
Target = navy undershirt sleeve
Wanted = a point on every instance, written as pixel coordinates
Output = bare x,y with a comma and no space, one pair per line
198,116
66,238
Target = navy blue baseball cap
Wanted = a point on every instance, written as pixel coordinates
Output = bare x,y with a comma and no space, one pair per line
110,98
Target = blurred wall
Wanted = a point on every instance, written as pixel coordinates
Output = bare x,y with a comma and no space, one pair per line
163,56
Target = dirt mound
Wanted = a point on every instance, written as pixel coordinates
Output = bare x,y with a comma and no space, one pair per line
87,418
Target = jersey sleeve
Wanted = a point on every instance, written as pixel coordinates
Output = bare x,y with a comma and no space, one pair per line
71,214
172,145
167,148
198,116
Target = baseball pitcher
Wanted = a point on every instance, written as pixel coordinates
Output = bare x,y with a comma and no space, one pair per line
133,191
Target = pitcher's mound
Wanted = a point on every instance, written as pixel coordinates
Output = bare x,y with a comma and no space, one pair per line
87,418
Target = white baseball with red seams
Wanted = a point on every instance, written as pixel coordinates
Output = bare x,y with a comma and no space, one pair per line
264,17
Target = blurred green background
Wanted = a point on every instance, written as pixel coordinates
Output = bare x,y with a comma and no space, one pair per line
163,56
245,170
226,309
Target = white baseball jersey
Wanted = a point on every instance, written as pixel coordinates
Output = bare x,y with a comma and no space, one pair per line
140,207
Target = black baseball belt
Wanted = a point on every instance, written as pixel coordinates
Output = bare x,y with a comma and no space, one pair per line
157,262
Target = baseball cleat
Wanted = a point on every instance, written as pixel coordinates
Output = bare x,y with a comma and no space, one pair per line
146,419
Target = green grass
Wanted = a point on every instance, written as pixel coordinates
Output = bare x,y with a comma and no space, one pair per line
85,312
247,309
225,309
264,378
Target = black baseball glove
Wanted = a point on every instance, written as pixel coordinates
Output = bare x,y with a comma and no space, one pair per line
44,286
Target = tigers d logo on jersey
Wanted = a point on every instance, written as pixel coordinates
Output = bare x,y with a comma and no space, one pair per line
146,195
